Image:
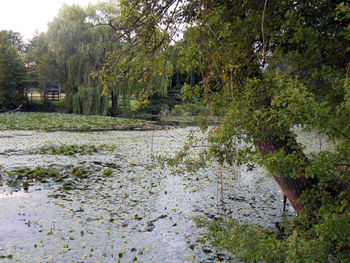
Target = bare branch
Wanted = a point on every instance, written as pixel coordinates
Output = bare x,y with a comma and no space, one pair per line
19,108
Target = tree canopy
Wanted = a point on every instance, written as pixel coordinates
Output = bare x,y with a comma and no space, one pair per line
12,70
267,67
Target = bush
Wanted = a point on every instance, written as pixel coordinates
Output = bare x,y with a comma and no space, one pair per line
39,106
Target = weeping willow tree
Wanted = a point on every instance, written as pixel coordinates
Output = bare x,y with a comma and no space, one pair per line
65,37
79,39
135,69
98,105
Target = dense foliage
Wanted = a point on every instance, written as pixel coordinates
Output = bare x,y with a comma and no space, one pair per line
267,67
13,74
68,53
95,62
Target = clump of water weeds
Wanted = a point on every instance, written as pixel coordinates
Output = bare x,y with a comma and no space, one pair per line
68,176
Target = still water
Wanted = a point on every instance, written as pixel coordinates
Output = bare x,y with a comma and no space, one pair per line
137,213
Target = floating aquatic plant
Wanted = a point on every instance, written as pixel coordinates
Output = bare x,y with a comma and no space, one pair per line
24,177
69,122
73,149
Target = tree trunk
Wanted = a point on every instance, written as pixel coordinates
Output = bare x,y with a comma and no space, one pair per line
292,186
114,97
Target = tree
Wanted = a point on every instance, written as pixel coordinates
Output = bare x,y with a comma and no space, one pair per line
66,37
12,70
80,51
42,63
271,65
79,39
134,68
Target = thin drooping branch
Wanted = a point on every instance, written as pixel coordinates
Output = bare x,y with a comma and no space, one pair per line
262,32
200,64
341,133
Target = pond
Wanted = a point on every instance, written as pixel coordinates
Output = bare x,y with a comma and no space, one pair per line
132,212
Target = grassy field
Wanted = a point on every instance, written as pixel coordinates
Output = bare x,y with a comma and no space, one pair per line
68,122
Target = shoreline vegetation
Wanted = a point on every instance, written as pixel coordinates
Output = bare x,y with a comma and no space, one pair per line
71,122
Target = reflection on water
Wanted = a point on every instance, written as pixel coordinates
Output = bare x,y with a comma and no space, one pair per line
134,213
12,194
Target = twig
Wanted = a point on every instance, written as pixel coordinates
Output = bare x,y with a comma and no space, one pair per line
262,32
341,133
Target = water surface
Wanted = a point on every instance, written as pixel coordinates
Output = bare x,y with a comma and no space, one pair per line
136,213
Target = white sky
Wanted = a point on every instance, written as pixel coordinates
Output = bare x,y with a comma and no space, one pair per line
27,16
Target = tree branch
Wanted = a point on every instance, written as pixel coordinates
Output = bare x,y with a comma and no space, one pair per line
262,32
341,133
19,108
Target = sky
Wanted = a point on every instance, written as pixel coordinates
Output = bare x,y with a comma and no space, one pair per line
29,16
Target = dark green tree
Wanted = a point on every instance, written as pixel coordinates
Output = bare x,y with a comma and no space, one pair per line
42,64
79,39
13,74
